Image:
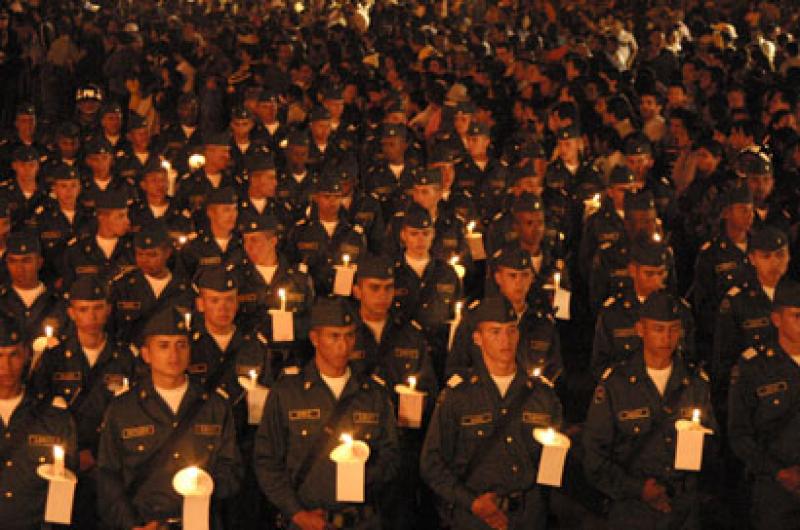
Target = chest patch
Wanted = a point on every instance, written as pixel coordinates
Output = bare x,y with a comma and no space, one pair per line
634,414
772,388
476,419
138,432
370,418
304,414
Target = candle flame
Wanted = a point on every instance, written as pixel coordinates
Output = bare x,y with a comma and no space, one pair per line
48,331
454,261
187,318
253,374
182,240
412,382
125,382
696,415
282,294
346,438
58,453
346,259
537,372
657,237
596,197
471,226
557,279
166,165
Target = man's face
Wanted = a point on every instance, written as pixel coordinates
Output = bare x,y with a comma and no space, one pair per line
333,345
153,261
375,295
426,195
67,191
68,146
497,341
320,130
531,184
188,112
297,155
25,125
267,111
647,279
263,184
761,186
89,316
155,185
259,245
12,367
335,107
111,123
417,241
461,123
641,223
678,131
639,164
167,355
617,193
217,157
24,269
787,320
241,127
115,221
649,107
659,338
739,216
393,148
676,97
328,204
25,170
222,217
477,145
218,307
140,138
529,227
770,265
514,284
100,163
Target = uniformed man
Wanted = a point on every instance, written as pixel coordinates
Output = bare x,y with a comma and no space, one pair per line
177,141
63,219
154,203
194,187
110,126
261,199
343,134
23,192
99,157
295,178
219,243
391,177
159,427
744,313
615,336
29,428
106,252
489,178
762,419
756,167
155,284
630,438
129,163
243,144
86,369
721,263
479,454
268,127
396,350
426,288
325,236
304,417
26,297
24,135
363,209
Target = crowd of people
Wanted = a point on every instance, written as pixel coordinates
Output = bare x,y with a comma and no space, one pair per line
236,234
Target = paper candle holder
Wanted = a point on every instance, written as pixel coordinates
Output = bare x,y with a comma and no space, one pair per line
689,447
555,446
411,403
60,493
256,396
350,457
195,486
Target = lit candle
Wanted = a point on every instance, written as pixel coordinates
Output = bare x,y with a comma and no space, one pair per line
460,271
537,372
58,461
412,382
459,307
192,478
470,227
182,240
347,440
346,259
350,457
557,280
657,237
166,165
282,296
196,161
253,376
549,436
696,416
48,331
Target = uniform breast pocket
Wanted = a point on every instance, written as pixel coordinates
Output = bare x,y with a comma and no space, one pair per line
634,422
475,428
773,400
138,440
304,432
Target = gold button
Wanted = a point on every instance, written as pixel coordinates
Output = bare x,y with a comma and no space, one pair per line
515,468
503,412
42,460
480,433
776,401
668,439
636,429
367,436
210,447
176,455
174,424
140,448
9,463
304,433
9,494
509,439
68,391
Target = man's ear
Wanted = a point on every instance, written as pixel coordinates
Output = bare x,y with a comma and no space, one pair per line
200,304
145,353
313,336
775,317
357,291
477,338
639,328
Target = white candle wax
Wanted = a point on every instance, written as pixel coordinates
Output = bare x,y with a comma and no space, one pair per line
58,460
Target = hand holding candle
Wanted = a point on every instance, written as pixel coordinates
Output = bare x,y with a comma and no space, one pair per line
475,242
60,488
195,486
256,396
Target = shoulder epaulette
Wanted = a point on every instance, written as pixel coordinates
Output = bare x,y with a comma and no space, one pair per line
302,267
59,403
733,291
291,370
703,375
455,380
607,373
609,301
222,393
416,325
261,338
378,379
705,245
358,229
474,304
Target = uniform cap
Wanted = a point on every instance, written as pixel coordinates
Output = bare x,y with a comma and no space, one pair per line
89,92
136,121
152,235
268,94
477,128
512,257
26,109
393,130
23,242
768,239
298,137
739,195
26,153
417,217
465,107
660,306
259,161
639,201
220,138
87,287
621,175
327,182
332,93
754,163
331,312
61,172
241,113
649,253
442,154
378,267
787,294
319,113
532,149
527,202
166,322
637,144
98,146
111,200
250,222
571,131
154,165
431,175
494,309
218,278
111,107
68,129
224,195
